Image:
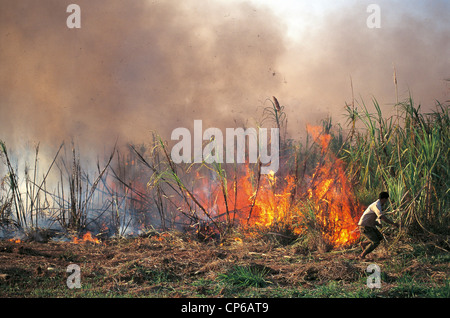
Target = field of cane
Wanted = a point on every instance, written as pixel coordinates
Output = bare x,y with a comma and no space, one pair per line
144,226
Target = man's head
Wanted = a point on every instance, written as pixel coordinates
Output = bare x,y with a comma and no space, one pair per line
384,196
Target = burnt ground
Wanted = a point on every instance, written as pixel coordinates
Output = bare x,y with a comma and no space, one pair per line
172,265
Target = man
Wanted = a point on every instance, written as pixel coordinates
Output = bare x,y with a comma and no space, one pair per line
368,221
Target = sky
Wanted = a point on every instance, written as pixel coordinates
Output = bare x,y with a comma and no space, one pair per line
142,66
330,48
298,15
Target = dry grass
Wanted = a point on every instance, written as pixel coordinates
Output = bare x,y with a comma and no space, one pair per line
174,266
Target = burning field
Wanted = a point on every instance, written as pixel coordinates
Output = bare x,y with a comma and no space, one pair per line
309,197
106,190
144,226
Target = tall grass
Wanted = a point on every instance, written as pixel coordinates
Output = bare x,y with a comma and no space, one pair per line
31,202
408,155
28,199
75,210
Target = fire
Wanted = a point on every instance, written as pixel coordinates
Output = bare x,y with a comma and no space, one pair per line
87,237
273,206
161,237
331,192
263,201
15,240
250,201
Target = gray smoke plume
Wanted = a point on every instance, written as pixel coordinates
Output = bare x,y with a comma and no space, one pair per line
339,49
133,67
141,66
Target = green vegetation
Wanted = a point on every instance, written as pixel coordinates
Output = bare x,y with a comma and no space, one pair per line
408,155
246,276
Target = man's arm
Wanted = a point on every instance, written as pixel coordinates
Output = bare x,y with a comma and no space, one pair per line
388,221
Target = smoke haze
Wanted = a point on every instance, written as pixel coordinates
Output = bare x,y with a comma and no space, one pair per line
141,66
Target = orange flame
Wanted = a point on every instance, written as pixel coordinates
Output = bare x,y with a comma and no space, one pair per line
161,237
15,240
250,202
331,191
266,200
87,237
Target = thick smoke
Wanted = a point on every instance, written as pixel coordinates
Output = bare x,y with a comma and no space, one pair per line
141,66
338,50
133,67
155,65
